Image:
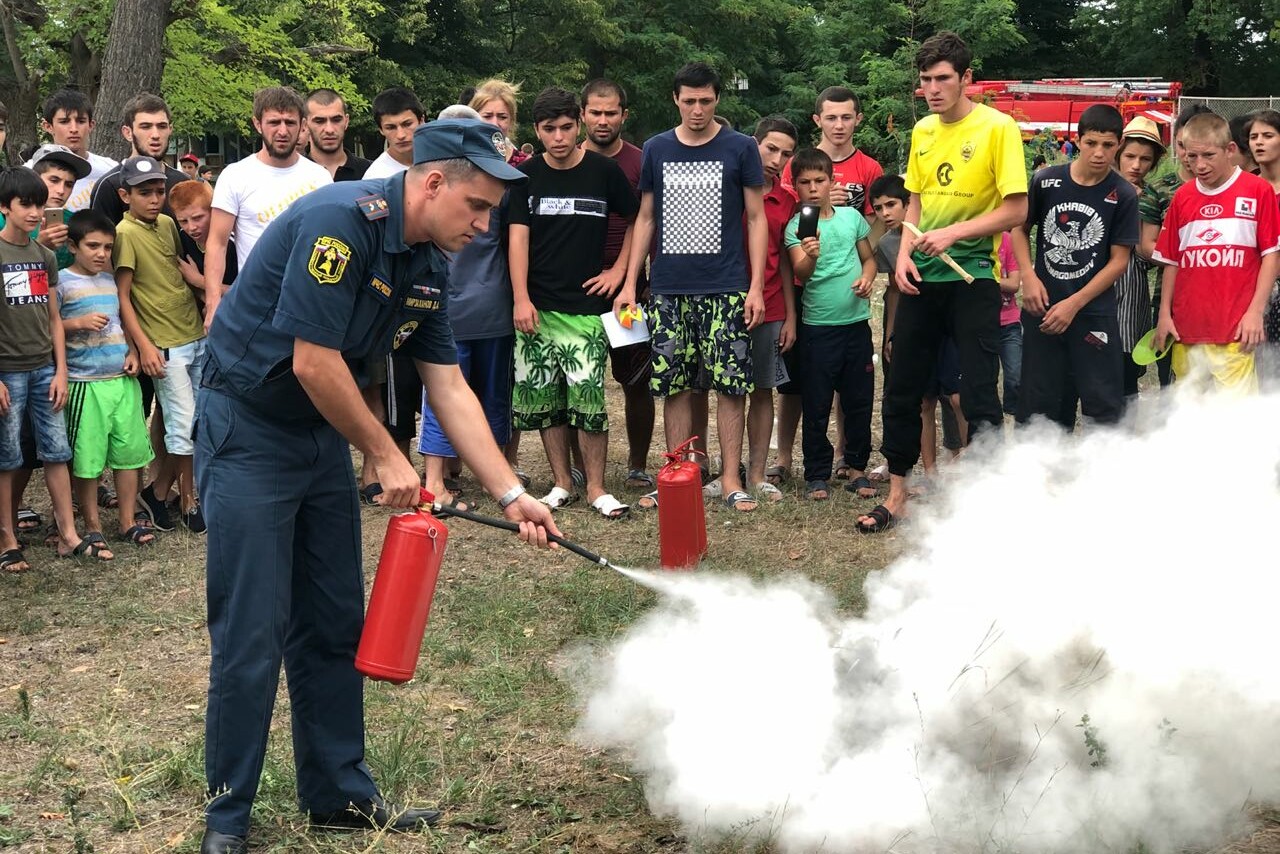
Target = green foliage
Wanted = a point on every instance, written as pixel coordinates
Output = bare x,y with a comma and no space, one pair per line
774,55
1217,47
1096,747
224,50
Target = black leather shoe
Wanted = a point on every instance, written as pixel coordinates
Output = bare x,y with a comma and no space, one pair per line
223,843
376,815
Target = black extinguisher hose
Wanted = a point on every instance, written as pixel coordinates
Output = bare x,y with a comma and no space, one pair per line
493,522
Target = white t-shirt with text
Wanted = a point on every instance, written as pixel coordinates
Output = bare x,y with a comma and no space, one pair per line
255,194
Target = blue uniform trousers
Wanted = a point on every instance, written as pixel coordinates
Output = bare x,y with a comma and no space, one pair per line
284,582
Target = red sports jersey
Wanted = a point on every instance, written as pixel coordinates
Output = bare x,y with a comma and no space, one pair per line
1216,238
856,172
778,207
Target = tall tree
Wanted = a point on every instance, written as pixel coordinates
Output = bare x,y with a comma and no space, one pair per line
134,62
222,51
1216,47
23,97
48,44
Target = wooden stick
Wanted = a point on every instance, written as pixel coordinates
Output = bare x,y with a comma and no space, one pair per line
944,257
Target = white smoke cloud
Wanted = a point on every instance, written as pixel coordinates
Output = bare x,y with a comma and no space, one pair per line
1128,577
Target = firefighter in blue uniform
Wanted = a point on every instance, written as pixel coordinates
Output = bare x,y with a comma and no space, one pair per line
349,271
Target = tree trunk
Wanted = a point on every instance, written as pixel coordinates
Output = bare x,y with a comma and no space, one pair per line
85,66
127,69
23,103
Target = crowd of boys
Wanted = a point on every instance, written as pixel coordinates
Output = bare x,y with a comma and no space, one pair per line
753,259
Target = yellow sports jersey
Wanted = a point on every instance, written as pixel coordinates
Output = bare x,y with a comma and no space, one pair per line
961,171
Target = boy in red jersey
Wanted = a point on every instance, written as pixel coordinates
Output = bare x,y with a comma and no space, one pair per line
1219,246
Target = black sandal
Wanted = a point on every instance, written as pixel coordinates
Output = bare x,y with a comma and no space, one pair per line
451,499
91,547
28,520
370,492
11,558
858,483
882,520
139,535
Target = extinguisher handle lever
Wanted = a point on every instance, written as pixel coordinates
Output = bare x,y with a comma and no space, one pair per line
685,448
449,510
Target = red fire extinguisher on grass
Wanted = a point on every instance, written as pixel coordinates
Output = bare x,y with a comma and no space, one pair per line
682,520
402,591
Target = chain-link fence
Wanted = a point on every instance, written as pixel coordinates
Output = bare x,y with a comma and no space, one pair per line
1230,108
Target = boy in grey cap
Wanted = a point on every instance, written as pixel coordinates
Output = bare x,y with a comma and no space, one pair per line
160,315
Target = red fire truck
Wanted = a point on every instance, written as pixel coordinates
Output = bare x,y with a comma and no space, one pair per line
1054,104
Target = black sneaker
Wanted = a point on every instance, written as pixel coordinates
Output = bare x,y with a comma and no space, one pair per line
194,520
156,509
376,815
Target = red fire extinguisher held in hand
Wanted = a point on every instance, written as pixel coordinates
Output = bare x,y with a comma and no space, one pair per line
682,520
402,591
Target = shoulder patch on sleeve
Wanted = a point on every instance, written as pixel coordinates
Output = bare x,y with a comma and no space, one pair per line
373,206
329,258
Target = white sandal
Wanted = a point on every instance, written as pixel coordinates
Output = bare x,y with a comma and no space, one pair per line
558,498
610,507
770,492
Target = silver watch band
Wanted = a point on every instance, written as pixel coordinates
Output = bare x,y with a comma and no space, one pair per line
511,495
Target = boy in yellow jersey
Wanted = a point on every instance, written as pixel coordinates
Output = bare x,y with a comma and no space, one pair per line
968,184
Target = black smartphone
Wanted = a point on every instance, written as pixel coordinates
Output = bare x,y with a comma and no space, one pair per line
808,225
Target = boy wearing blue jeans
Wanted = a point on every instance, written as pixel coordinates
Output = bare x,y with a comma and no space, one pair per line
834,341
105,424
160,316
33,370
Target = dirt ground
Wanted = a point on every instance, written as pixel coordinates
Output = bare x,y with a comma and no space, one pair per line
103,671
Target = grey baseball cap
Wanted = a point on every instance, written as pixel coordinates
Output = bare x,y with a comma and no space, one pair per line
140,170
61,154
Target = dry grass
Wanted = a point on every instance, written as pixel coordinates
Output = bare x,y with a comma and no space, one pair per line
103,671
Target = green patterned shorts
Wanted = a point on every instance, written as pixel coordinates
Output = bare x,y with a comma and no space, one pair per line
700,342
560,374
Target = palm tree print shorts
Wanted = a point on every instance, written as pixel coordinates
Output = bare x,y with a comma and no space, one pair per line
560,374
700,342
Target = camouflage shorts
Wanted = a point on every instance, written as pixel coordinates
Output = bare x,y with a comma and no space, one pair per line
701,343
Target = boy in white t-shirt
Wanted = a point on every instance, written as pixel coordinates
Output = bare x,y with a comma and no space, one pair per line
68,119
397,112
250,193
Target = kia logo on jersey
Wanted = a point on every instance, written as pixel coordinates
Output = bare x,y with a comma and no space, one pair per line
1211,211
1247,207
1209,235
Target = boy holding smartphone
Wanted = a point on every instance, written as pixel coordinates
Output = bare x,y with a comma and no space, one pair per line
829,250
60,168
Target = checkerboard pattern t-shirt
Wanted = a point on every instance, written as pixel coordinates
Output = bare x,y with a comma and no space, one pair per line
698,208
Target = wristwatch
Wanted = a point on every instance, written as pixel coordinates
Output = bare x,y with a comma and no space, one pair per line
511,495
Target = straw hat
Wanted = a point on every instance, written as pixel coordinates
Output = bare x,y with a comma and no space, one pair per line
1141,127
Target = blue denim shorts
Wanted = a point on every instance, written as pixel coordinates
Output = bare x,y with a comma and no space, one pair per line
29,391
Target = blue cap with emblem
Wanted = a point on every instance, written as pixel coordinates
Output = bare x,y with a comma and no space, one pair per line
480,142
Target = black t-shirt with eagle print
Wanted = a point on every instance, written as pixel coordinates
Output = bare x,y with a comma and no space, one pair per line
1076,226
